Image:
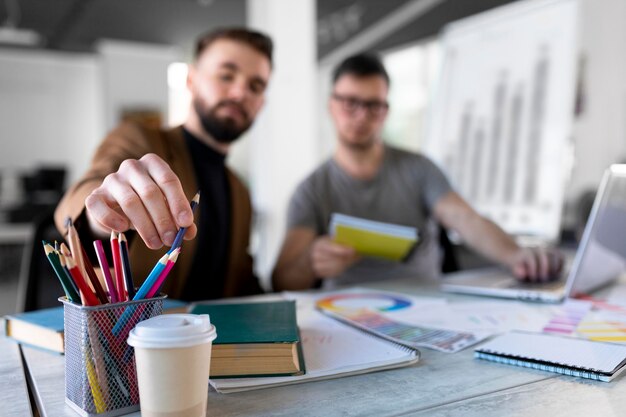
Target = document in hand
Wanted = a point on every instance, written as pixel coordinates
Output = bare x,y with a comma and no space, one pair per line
371,238
563,355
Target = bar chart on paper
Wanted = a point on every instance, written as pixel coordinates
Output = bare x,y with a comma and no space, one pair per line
503,112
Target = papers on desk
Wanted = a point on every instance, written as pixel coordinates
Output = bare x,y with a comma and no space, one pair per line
370,238
389,315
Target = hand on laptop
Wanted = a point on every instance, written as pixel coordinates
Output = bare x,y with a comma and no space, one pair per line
537,264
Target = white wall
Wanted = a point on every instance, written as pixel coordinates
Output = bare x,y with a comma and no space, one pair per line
134,77
55,108
50,110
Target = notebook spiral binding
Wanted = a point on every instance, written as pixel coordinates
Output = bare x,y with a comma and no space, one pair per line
559,368
404,347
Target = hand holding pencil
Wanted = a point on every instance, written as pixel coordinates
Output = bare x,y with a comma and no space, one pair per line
144,195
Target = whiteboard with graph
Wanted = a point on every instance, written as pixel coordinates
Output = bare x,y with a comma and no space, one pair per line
502,114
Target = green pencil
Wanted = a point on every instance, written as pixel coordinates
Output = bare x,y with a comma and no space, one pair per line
60,272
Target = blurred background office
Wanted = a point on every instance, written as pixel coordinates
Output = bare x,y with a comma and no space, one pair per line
70,70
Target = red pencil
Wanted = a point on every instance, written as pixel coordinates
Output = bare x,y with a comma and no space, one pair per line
117,266
88,297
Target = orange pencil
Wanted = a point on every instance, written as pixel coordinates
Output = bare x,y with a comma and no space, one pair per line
76,248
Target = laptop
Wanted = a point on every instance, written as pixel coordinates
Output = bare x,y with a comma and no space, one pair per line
599,259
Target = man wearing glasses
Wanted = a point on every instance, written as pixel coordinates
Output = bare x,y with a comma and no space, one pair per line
369,179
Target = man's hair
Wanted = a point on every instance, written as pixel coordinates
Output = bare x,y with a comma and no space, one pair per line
256,40
361,65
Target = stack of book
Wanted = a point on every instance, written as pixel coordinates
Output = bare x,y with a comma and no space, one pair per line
254,339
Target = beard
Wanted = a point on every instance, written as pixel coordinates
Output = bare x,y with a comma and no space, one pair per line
222,129
358,146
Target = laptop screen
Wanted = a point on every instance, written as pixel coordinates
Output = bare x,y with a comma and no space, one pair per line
601,256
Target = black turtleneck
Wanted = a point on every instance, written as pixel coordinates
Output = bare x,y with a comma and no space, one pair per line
208,270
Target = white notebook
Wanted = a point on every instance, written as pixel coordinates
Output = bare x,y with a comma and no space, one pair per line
331,350
563,355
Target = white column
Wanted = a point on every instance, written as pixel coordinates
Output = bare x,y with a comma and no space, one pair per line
283,141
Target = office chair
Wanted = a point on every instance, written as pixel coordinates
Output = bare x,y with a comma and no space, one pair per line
449,261
38,286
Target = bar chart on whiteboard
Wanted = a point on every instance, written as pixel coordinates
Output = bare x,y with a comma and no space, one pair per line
501,119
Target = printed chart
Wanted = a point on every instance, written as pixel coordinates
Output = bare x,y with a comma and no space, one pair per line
367,311
502,116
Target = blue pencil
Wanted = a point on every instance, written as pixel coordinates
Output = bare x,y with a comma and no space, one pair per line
181,232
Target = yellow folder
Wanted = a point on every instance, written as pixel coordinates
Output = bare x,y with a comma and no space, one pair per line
376,244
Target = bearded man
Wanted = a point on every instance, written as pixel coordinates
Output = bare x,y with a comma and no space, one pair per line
141,179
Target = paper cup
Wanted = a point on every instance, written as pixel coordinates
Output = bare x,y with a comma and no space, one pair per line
173,356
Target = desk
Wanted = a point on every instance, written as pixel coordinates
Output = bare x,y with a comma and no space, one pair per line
440,384
13,389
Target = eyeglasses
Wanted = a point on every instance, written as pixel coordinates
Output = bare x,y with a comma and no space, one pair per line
351,104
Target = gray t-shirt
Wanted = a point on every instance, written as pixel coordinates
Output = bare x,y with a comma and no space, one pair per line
403,192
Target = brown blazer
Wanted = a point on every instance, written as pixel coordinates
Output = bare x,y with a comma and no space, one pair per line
129,141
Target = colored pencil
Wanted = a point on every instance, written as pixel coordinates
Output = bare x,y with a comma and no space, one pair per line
128,277
76,248
60,273
88,297
106,271
117,266
93,278
152,277
96,393
59,253
171,260
178,241
141,293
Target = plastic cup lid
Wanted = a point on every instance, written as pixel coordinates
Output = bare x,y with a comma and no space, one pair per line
172,331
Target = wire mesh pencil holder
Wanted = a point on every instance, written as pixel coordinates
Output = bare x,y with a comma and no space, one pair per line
100,374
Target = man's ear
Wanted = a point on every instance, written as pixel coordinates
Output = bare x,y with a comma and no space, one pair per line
191,73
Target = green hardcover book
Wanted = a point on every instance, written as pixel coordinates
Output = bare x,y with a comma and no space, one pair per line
254,339
44,328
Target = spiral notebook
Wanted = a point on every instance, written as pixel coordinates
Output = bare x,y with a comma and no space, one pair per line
563,355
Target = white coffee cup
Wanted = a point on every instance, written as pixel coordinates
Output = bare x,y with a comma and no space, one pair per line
173,356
